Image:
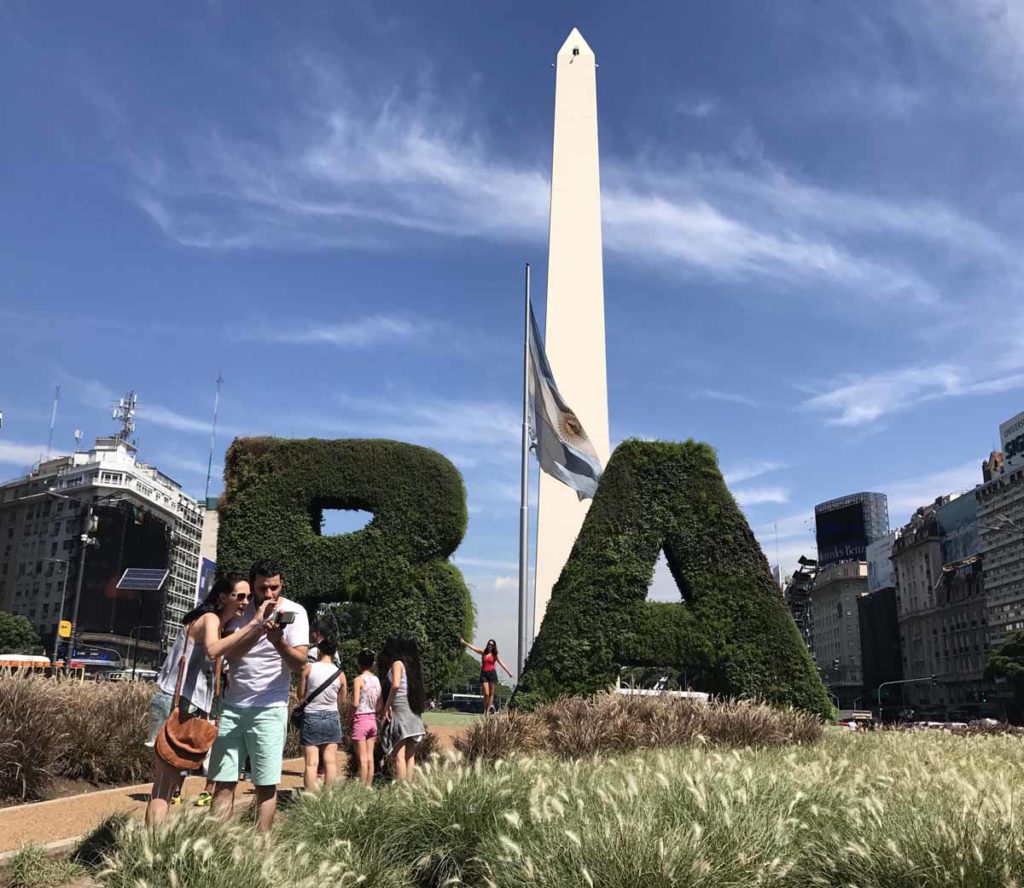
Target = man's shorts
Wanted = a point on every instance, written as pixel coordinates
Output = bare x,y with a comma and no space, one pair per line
258,732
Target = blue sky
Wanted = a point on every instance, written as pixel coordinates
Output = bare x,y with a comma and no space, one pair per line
811,220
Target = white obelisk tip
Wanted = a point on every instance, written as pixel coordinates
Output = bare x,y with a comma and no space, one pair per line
575,45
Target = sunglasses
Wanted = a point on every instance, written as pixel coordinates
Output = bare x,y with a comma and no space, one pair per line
241,596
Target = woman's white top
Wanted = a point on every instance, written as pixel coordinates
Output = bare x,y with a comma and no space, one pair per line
327,699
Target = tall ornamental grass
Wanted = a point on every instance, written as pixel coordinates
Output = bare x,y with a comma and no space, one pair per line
611,723
887,809
66,728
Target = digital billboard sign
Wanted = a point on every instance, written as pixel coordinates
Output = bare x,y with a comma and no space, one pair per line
844,527
958,528
1011,434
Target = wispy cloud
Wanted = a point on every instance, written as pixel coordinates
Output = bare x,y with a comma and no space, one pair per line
744,471
755,496
708,394
861,400
361,333
351,169
21,454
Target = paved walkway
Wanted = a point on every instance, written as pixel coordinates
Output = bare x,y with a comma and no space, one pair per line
68,818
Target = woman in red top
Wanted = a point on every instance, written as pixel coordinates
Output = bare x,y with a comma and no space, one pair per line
489,660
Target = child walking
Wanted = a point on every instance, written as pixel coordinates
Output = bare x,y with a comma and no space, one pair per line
319,689
365,694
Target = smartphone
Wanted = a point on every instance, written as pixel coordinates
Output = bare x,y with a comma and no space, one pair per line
284,618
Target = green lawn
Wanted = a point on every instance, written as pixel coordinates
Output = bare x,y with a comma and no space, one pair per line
449,719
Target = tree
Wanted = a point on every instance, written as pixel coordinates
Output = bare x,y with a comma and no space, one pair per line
1007,662
17,635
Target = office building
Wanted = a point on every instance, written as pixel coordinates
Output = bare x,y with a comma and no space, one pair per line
836,630
143,519
878,620
1001,529
941,604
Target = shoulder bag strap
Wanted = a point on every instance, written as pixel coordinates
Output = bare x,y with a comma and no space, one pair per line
311,697
181,667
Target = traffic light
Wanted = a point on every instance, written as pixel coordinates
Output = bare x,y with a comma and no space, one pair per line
935,680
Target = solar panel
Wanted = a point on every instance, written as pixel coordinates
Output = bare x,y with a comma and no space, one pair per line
143,579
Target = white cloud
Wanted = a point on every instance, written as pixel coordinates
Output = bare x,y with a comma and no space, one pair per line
744,471
754,496
21,454
361,333
504,584
861,400
351,169
727,397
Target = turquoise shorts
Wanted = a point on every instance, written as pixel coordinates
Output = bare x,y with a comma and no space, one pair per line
258,732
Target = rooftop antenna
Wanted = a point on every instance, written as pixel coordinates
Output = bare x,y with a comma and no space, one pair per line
53,421
124,413
78,439
213,433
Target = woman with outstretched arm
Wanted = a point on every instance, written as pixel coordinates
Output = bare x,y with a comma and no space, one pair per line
489,660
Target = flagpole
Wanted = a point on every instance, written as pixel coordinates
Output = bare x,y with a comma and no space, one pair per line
524,511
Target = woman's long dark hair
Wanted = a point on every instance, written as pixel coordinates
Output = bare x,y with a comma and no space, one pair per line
211,604
404,647
491,647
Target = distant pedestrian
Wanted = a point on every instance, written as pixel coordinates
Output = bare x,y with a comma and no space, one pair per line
489,661
199,643
321,687
254,720
402,703
365,697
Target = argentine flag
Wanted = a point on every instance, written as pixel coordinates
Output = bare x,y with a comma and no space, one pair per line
556,434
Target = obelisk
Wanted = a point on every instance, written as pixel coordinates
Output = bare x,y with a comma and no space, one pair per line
574,332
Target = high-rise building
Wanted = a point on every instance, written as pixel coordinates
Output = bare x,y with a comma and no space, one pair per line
844,528
1001,530
143,519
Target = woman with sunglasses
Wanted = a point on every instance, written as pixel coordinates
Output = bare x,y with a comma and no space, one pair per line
201,632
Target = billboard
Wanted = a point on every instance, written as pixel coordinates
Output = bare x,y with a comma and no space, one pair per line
207,574
1011,435
844,526
880,569
958,528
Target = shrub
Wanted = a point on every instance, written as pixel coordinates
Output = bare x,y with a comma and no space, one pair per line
394,570
731,632
608,724
34,867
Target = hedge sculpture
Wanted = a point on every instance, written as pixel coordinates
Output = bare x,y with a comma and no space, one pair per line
731,633
394,571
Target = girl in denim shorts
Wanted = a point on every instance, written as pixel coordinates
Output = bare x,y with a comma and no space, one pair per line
320,733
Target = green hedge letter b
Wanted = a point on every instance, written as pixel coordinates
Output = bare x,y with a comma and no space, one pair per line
395,569
730,633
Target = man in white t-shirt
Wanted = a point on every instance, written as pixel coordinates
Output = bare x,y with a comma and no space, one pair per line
254,717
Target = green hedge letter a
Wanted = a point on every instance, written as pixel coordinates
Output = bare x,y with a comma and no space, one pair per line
730,633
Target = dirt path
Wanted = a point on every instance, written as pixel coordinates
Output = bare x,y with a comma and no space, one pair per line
67,818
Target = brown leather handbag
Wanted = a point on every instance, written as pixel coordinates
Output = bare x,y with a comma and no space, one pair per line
183,741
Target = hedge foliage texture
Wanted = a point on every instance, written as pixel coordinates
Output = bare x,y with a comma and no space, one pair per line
395,570
731,633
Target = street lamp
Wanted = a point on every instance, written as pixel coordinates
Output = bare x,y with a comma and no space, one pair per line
135,646
60,616
931,678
